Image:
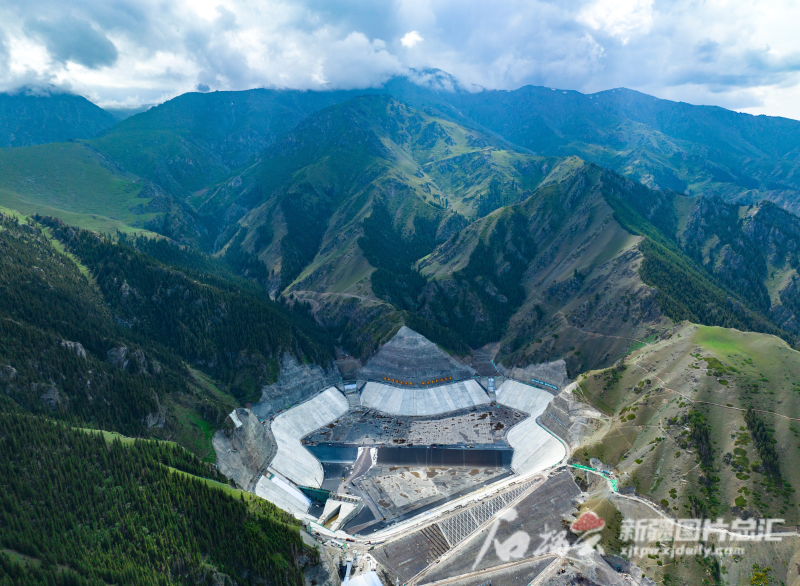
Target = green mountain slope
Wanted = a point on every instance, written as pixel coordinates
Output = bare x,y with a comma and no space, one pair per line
286,205
84,188
108,337
701,150
544,277
78,184
28,118
677,428
208,320
116,514
202,147
594,254
315,186
195,140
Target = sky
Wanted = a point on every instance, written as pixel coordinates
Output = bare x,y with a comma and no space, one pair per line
740,55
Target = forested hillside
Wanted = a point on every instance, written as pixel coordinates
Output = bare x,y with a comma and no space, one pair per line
700,150
301,213
99,335
197,145
220,247
103,335
207,320
92,512
332,199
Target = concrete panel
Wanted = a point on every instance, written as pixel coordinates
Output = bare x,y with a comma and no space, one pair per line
534,448
367,579
292,460
484,424
235,418
346,512
290,488
523,397
279,497
423,401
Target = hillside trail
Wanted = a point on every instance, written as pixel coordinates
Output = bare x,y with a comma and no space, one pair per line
658,378
691,400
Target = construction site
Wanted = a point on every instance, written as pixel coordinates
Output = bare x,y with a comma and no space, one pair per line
412,437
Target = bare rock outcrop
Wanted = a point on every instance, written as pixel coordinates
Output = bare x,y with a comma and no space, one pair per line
324,573
570,418
244,448
134,360
49,395
74,347
157,418
7,373
296,382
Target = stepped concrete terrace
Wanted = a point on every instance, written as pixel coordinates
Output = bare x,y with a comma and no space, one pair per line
411,359
431,401
481,426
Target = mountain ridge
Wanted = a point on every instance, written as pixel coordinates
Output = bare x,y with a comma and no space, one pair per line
31,117
702,150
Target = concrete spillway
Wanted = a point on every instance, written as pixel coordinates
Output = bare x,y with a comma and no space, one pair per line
534,447
421,401
292,460
341,508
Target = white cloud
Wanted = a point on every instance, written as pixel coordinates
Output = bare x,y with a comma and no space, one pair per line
411,38
738,54
357,62
619,18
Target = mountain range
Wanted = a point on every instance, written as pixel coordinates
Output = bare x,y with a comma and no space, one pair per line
433,204
223,248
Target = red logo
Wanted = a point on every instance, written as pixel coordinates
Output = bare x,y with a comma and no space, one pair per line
587,522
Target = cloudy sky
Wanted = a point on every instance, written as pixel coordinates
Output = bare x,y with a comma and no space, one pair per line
737,54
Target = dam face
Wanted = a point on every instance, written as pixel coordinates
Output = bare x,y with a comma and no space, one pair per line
415,431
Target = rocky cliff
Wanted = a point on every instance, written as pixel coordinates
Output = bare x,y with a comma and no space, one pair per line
569,418
295,383
244,448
